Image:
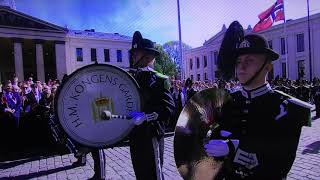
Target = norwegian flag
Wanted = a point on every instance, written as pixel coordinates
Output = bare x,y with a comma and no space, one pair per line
273,14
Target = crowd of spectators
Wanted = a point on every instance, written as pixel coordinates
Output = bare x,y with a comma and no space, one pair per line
183,90
24,106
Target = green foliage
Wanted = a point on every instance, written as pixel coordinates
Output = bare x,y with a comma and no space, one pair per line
164,64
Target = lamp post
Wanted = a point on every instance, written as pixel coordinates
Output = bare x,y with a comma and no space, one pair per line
180,42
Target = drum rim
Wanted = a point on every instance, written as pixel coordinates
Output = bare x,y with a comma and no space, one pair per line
55,112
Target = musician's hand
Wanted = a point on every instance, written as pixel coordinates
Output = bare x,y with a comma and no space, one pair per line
9,110
139,117
219,147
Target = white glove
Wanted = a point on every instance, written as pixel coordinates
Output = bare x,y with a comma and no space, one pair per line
139,117
219,147
9,110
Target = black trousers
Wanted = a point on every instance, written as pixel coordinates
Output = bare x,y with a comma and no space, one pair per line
146,154
99,160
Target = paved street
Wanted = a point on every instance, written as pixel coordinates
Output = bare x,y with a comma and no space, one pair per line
306,166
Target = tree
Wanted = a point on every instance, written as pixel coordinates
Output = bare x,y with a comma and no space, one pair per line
164,64
173,50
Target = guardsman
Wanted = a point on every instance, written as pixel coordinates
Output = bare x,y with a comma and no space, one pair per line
147,138
260,127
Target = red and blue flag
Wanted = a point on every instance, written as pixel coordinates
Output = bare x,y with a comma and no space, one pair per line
268,17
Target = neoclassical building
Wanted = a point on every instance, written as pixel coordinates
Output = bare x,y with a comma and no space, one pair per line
291,42
86,47
31,47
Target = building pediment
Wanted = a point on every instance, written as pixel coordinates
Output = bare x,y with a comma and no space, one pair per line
10,18
215,39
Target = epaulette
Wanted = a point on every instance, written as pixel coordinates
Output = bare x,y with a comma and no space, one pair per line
300,103
295,100
283,94
167,84
161,75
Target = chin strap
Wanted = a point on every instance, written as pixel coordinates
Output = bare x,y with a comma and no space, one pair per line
136,65
255,75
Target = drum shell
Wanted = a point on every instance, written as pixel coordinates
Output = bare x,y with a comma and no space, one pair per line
97,70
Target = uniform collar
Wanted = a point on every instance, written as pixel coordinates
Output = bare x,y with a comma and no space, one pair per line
257,91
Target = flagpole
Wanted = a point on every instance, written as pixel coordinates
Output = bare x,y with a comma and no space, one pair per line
285,42
310,62
180,42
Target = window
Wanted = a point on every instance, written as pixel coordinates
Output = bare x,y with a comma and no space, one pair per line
283,45
284,70
191,64
79,54
216,57
106,55
270,44
191,77
198,63
205,76
119,56
205,63
301,72
300,42
198,77
93,54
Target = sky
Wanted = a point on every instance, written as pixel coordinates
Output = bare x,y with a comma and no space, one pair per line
157,19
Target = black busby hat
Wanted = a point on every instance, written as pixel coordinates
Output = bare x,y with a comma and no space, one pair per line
226,58
139,43
254,43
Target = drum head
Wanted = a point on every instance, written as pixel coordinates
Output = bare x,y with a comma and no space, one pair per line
197,121
89,91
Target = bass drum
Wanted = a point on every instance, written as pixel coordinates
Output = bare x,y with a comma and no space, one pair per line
86,94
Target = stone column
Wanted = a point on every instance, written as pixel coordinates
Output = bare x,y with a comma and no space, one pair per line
61,63
18,59
40,60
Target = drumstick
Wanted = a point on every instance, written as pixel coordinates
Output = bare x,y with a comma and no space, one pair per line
106,115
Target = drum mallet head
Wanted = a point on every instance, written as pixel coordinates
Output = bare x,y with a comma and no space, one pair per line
106,115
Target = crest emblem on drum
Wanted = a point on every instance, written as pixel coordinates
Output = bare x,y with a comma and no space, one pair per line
99,105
